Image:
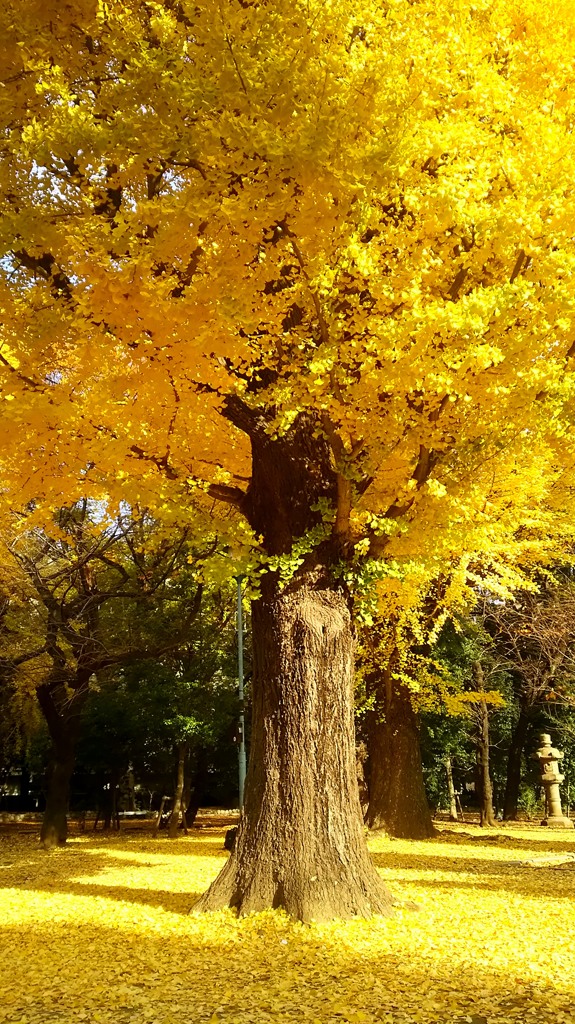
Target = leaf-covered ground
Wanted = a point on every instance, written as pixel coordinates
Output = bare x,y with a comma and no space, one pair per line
100,932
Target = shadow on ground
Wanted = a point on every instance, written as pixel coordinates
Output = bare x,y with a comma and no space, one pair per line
546,882
275,975
74,869
556,842
34,870
113,959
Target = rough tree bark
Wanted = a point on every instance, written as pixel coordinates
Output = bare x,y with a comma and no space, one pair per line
300,842
397,800
514,759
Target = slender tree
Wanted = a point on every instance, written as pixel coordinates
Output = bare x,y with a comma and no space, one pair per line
453,810
483,777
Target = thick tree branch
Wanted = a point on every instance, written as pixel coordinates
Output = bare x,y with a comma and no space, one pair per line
229,495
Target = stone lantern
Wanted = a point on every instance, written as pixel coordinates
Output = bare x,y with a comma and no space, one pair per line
548,758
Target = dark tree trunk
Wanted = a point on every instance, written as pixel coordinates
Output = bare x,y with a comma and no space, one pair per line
177,803
397,800
300,842
514,761
453,815
189,810
111,813
158,822
107,809
130,790
61,762
484,790
24,787
62,714
196,786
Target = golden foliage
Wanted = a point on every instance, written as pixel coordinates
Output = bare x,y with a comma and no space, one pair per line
99,932
370,222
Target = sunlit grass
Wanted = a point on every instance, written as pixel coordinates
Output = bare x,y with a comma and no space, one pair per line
100,931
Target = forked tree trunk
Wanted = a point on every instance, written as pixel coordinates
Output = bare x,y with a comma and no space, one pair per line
514,761
300,842
397,800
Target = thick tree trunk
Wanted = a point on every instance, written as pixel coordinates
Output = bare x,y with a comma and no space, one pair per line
61,762
514,761
397,800
177,803
300,843
453,815
62,710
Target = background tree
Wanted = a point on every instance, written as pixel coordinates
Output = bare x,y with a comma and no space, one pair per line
144,717
401,679
188,705
397,798
534,635
483,785
447,760
477,693
392,665
18,706
79,580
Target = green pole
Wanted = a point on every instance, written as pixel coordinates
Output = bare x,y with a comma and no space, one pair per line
241,723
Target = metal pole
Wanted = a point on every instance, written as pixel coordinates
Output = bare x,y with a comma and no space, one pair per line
241,723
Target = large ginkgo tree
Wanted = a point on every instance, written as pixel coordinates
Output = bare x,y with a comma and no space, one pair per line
303,272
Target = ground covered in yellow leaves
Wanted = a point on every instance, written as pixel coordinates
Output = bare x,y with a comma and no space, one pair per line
99,931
